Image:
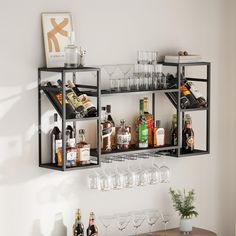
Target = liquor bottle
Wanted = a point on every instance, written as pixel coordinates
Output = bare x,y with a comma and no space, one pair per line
89,109
198,96
71,153
71,52
106,132
78,227
149,119
123,138
74,100
142,128
193,102
56,99
184,102
59,150
113,135
159,135
188,135
174,131
55,141
92,229
83,150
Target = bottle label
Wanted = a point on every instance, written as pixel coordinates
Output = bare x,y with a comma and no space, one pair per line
71,156
74,99
113,137
123,139
195,92
84,153
184,90
190,142
58,144
160,137
143,133
72,142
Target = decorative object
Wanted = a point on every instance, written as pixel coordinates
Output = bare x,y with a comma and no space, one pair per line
183,203
56,29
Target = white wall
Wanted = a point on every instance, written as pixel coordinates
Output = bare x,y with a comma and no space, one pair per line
34,201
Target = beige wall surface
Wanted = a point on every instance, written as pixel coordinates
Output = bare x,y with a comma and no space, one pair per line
41,202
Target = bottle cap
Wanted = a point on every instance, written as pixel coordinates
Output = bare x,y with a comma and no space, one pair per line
103,108
71,84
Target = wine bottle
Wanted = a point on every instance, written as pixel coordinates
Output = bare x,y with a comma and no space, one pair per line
113,135
188,135
56,99
92,229
55,140
192,101
74,100
78,227
142,127
198,96
149,118
89,109
106,131
174,131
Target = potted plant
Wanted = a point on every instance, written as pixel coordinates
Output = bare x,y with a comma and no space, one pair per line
183,203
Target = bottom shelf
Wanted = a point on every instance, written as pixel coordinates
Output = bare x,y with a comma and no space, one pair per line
56,167
195,152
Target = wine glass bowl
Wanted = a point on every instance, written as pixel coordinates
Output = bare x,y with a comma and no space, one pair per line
122,221
106,222
152,217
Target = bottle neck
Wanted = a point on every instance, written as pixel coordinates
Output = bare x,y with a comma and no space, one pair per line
82,138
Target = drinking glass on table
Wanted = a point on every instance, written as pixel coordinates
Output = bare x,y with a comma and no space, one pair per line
138,218
165,218
106,222
122,221
152,217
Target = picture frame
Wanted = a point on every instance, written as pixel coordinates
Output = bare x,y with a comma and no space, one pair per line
56,28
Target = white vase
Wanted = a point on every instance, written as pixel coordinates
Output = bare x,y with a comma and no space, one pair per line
185,225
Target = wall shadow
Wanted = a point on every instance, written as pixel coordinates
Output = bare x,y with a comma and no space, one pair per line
59,229
36,229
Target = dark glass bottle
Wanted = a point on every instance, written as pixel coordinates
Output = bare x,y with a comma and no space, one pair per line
106,131
188,135
174,131
78,227
89,109
198,96
92,229
56,99
113,135
55,140
192,101
73,100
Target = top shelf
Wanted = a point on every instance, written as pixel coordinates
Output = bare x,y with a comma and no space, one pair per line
186,63
63,69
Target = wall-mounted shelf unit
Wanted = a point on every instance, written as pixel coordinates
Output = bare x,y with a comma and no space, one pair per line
61,110
173,94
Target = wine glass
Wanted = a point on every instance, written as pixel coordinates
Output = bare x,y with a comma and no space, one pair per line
125,69
165,218
164,171
122,221
93,180
152,217
110,69
106,222
138,218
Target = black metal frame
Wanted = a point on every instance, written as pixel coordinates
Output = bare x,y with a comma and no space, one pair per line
99,93
181,112
63,72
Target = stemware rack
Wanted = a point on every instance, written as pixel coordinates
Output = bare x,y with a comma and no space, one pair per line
96,91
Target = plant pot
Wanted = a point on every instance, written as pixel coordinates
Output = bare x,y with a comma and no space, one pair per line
185,225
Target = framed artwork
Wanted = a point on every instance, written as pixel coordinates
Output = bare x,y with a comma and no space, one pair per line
56,29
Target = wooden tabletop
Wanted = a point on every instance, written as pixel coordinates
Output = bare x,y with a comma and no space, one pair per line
176,232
